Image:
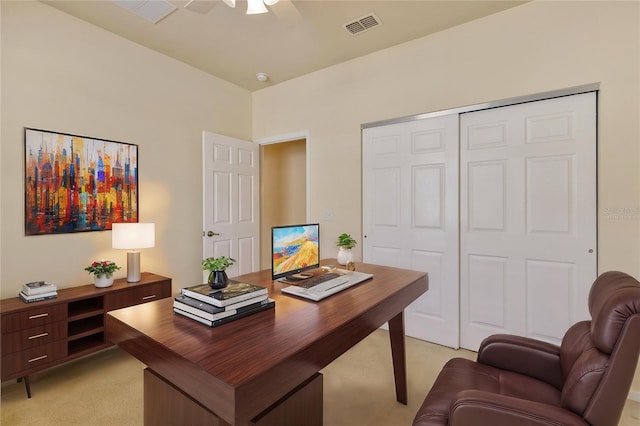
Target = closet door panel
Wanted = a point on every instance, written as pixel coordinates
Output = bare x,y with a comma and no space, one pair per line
528,198
410,215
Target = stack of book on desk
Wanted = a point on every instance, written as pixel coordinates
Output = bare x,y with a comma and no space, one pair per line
216,307
37,291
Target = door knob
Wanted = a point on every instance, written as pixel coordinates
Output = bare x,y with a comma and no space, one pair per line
211,234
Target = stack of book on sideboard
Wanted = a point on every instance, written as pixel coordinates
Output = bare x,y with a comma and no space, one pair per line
37,291
216,307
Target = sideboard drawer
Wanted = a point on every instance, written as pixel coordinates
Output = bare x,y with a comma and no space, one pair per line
33,357
136,295
34,317
32,337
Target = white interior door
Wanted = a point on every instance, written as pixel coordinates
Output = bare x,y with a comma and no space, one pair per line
231,201
410,215
528,218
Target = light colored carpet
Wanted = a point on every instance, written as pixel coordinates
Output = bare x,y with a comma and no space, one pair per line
106,388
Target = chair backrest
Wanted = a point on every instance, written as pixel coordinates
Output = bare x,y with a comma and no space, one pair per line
599,357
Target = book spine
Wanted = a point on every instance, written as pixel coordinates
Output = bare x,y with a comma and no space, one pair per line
193,317
262,307
198,304
201,313
226,302
247,302
40,290
31,299
198,296
240,298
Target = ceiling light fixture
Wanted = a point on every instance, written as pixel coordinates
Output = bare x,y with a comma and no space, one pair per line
254,7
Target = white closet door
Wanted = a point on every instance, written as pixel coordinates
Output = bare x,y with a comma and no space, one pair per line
527,218
410,215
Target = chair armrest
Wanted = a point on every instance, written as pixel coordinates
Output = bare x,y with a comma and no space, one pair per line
479,408
523,355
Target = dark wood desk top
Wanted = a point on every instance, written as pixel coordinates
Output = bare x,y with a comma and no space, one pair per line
239,369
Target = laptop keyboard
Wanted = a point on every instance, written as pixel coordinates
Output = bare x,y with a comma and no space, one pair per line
325,285
312,282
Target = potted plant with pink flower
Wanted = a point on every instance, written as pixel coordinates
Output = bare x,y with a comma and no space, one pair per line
102,271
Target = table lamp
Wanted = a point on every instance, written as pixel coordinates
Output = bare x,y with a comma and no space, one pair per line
133,236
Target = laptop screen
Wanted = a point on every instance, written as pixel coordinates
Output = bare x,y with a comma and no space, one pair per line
294,248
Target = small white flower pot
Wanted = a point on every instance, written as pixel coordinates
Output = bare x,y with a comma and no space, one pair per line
103,280
344,255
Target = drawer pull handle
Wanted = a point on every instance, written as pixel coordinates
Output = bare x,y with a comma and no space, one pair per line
38,336
38,316
37,358
153,296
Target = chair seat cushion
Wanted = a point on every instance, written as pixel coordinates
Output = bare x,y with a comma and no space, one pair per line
460,374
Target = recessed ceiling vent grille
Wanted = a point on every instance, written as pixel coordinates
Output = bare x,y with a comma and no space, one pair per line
362,24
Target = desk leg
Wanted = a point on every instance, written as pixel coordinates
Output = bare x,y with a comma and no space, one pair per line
396,334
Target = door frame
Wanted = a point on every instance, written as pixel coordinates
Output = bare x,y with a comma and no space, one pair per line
283,138
287,137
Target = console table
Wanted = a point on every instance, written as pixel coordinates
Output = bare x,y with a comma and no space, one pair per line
262,369
41,335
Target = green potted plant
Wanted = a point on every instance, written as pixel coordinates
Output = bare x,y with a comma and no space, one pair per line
345,243
217,267
102,271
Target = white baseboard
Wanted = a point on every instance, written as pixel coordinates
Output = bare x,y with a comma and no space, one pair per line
634,396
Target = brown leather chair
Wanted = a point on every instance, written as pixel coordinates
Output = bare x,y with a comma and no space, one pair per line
522,381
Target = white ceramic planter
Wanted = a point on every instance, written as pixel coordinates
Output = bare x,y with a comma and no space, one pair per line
344,255
103,280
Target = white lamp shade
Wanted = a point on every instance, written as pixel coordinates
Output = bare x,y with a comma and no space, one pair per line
270,2
256,6
133,235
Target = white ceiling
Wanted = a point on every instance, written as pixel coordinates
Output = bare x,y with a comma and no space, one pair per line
295,38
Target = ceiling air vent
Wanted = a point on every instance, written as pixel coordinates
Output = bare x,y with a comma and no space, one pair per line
362,24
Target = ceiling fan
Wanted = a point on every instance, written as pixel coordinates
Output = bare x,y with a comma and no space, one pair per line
156,10
254,7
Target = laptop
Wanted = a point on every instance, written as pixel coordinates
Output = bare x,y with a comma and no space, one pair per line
325,285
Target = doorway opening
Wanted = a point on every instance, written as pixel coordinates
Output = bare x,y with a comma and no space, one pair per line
284,190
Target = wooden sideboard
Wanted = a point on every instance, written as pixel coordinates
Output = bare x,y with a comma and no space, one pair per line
41,335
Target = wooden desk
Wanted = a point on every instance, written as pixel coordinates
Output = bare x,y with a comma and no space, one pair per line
243,368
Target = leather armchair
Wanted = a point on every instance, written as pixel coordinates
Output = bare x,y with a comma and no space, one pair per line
521,381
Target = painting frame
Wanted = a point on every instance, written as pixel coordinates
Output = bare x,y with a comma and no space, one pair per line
76,183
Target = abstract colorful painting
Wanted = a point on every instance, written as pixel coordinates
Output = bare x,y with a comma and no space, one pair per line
76,183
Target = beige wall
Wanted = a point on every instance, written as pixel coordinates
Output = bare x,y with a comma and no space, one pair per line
537,47
284,192
62,74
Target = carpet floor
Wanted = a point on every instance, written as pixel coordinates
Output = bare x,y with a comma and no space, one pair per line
106,388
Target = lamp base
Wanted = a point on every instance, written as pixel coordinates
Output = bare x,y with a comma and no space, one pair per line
133,266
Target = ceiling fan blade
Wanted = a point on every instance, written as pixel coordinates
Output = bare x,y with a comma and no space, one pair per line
286,12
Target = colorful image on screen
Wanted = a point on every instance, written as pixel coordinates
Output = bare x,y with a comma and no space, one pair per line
295,248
